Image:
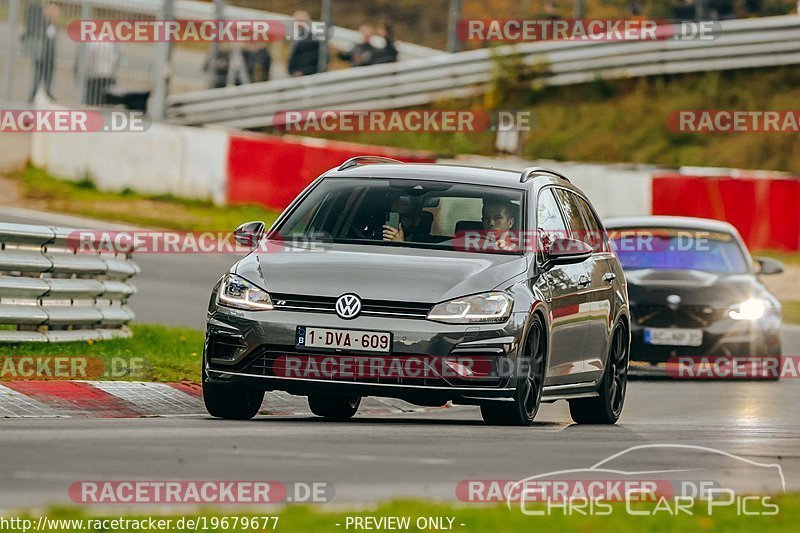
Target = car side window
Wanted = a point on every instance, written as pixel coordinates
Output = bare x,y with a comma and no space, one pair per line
596,236
550,222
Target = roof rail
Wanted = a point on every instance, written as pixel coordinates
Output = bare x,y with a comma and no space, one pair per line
530,171
363,159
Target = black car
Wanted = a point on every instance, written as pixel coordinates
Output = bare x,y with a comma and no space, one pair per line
500,287
694,289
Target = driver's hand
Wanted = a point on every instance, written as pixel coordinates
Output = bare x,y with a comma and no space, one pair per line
393,234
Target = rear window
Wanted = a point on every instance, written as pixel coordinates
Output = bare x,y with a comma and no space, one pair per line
678,249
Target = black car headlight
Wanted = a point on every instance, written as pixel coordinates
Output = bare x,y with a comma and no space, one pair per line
489,307
237,292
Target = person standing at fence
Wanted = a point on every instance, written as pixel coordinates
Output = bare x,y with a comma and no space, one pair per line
304,59
39,42
363,53
101,60
257,61
217,63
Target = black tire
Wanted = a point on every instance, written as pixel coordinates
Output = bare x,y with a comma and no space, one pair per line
606,408
334,406
232,402
530,381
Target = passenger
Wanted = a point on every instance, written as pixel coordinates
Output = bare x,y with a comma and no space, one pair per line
498,218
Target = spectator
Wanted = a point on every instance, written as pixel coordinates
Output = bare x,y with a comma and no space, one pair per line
304,59
387,54
39,42
217,63
363,53
257,61
101,59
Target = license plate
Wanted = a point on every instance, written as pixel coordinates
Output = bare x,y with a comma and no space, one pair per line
673,336
344,339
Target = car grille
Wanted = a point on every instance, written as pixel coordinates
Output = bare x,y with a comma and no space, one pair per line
266,361
326,304
682,317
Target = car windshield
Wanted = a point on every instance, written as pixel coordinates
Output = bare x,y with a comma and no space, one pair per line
412,213
678,249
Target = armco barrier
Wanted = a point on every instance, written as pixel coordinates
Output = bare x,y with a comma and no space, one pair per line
765,211
271,171
51,291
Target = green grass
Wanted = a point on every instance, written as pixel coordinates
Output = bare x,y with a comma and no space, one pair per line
482,519
153,353
789,258
791,311
626,120
39,189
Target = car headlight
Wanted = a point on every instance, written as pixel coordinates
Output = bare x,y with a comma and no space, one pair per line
237,292
751,309
481,308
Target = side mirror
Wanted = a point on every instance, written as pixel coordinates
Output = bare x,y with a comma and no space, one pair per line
249,233
568,252
769,266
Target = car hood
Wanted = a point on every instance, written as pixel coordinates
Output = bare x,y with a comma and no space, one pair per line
379,272
708,289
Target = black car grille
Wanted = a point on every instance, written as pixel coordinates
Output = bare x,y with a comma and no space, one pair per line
326,304
682,317
266,361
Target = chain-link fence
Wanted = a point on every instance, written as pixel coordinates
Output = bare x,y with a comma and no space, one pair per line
38,51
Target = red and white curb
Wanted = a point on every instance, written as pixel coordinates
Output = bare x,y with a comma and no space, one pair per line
135,399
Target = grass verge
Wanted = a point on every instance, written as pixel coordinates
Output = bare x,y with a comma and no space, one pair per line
473,518
791,311
37,188
625,120
153,353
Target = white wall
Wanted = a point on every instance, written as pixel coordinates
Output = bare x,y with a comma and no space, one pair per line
181,160
614,190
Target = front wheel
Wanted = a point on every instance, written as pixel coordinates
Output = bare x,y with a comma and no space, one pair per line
334,406
232,402
530,380
606,408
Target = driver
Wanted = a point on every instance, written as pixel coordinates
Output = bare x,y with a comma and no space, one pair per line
410,223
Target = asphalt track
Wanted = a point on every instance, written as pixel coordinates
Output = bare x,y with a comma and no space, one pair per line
375,457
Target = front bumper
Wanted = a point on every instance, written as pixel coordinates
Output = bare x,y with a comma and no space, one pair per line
249,347
723,337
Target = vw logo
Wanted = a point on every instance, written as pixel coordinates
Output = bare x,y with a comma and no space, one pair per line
673,301
348,306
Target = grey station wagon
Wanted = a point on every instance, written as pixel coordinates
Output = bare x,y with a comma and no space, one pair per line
429,283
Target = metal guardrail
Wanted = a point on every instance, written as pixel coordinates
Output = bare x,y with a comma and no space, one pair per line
746,43
51,291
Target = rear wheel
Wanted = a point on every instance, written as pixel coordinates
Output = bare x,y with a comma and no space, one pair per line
606,408
530,380
334,406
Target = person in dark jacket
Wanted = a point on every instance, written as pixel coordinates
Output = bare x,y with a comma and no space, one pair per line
387,54
257,61
304,59
363,53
